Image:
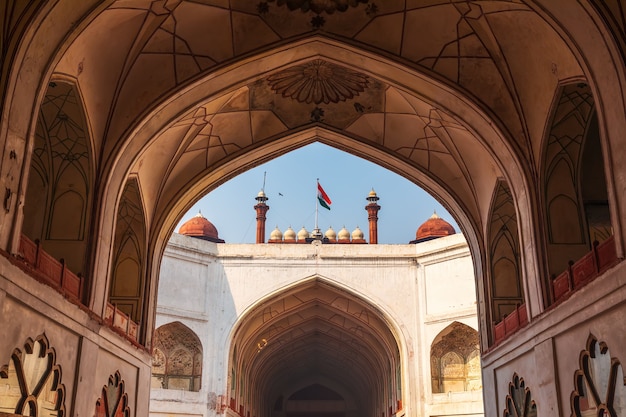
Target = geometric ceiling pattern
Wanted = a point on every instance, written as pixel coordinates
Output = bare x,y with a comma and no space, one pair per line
475,50
186,39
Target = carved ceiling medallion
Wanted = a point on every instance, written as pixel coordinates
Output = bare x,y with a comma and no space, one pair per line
318,82
319,6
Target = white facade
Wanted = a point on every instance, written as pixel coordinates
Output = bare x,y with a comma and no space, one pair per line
418,290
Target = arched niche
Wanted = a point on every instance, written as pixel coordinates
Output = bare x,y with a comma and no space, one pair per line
127,283
574,186
176,358
505,286
59,194
455,360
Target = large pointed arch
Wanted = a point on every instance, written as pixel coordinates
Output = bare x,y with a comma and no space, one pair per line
178,120
315,332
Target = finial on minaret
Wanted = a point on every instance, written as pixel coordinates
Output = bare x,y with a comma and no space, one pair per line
372,215
372,197
261,197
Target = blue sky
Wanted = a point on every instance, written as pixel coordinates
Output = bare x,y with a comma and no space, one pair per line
346,179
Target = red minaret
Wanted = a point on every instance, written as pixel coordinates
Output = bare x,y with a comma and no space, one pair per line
261,209
372,215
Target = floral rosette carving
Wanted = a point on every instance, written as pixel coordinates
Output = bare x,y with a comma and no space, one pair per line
318,82
599,384
519,402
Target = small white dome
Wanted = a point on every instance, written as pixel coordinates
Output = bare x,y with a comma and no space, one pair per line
357,233
330,233
276,234
344,234
290,234
303,234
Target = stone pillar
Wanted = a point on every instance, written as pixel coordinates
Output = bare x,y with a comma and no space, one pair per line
261,209
372,215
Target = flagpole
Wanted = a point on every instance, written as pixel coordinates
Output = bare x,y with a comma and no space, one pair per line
316,202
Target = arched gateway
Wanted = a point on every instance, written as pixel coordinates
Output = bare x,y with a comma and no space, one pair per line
117,115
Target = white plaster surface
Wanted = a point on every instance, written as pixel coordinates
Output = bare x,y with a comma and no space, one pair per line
224,281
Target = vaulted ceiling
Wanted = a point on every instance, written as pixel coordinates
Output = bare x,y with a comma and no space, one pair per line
423,83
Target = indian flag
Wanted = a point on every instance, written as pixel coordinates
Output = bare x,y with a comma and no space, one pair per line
323,197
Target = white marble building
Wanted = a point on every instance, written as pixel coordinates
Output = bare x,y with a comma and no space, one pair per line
232,318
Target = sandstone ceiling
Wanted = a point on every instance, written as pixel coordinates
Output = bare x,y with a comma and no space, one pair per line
185,94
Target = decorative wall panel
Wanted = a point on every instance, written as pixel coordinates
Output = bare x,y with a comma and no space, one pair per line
114,400
455,360
599,384
30,384
519,402
127,283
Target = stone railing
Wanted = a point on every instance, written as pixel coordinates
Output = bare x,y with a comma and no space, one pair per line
50,271
511,323
577,275
586,269
121,321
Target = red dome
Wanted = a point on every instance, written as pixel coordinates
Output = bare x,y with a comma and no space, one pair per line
201,228
433,228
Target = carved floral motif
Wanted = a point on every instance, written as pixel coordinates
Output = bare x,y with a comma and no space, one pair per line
462,339
114,401
519,402
176,358
33,381
318,82
599,384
